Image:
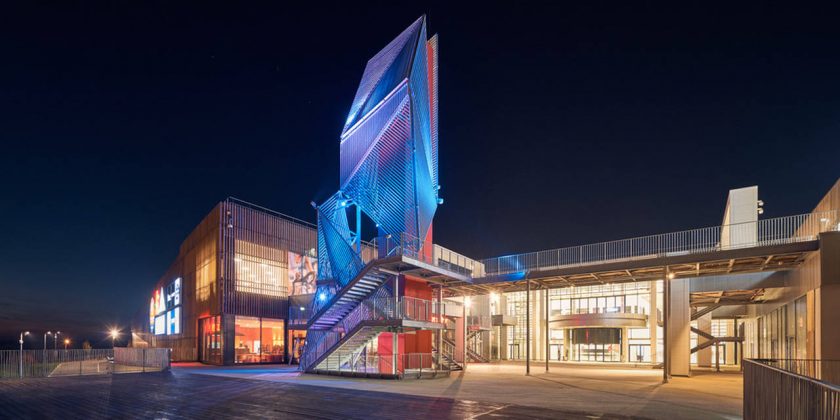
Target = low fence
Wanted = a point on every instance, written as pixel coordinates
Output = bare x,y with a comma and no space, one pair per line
16,364
791,389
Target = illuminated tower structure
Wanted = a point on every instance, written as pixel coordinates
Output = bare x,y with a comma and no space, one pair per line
388,173
388,153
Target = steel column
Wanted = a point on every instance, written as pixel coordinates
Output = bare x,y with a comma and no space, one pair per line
395,342
527,326
464,332
547,330
443,322
666,312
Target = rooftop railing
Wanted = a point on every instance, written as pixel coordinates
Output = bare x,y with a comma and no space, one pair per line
775,231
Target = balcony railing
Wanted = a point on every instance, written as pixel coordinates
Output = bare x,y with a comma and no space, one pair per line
776,231
479,322
626,309
412,247
791,389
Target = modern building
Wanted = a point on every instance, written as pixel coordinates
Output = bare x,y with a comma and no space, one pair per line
367,292
226,297
748,288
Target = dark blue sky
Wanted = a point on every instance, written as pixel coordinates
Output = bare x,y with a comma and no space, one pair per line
122,125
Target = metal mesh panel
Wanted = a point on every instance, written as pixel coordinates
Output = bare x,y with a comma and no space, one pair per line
383,72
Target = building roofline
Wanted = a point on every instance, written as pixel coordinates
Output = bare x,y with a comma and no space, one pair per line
231,199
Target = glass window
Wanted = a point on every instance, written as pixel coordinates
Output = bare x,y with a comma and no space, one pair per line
565,306
247,339
258,340
632,304
272,341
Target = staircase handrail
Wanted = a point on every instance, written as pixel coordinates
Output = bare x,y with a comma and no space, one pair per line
374,308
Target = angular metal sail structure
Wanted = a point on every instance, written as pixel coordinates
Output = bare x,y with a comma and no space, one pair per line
389,172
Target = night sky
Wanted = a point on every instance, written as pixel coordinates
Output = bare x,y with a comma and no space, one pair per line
122,125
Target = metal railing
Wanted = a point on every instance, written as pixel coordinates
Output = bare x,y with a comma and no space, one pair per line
408,364
51,363
413,247
786,389
479,322
776,231
374,308
618,309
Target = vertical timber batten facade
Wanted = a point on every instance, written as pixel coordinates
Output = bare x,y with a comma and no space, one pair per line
234,273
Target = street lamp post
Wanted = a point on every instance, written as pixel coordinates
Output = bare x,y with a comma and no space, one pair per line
20,359
114,334
45,339
66,342
55,340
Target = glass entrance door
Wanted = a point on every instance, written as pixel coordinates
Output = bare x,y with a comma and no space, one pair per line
210,348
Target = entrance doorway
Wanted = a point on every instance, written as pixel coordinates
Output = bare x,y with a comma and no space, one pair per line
596,344
210,333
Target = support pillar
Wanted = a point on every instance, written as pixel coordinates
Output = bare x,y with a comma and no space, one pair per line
547,331
465,332
678,328
395,343
704,357
527,326
442,320
653,323
625,345
567,344
666,354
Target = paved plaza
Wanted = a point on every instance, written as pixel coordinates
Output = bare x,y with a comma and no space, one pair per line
492,390
594,390
184,395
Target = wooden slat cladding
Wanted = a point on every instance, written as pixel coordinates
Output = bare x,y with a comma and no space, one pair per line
207,267
197,265
259,239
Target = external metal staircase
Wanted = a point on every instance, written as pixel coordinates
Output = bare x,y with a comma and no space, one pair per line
349,350
473,355
346,324
348,298
448,355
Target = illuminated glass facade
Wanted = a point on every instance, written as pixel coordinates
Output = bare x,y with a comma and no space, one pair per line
587,323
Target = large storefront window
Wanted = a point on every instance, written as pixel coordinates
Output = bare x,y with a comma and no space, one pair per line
258,340
272,341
